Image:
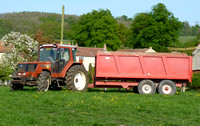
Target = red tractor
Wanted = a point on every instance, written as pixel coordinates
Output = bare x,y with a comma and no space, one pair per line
56,67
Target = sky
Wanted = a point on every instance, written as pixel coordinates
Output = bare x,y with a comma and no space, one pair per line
184,10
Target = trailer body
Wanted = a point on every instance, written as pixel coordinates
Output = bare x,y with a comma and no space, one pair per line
122,69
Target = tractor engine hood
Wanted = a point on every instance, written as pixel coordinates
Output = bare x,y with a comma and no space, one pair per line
31,66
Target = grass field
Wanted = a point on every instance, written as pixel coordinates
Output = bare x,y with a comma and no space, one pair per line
184,39
95,107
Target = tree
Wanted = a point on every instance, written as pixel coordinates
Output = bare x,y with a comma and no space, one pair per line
41,39
186,30
5,27
96,28
123,32
20,48
158,29
195,30
51,29
124,18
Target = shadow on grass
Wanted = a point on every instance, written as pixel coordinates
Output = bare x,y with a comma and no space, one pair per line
111,90
31,89
34,89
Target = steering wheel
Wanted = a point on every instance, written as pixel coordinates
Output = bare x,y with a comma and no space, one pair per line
49,59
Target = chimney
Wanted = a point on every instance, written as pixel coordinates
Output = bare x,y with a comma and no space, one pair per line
104,47
76,45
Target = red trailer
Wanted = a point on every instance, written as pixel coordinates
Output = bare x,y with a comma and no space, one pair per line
146,71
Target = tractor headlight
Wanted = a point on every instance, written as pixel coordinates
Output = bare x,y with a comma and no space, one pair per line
19,74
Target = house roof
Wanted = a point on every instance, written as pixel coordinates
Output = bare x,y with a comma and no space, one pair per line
2,48
137,50
196,50
132,50
87,51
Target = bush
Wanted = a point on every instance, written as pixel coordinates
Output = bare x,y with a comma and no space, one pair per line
191,43
5,73
196,81
91,71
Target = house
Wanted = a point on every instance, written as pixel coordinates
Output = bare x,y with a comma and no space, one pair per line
89,54
196,59
150,49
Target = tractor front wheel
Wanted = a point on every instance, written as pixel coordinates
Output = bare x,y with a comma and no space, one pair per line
43,82
13,86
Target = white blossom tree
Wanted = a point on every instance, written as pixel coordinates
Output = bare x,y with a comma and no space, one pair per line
19,49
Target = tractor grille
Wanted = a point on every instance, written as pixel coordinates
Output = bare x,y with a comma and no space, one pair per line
26,67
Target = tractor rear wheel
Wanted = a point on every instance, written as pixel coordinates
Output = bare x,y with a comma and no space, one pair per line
43,82
76,78
15,87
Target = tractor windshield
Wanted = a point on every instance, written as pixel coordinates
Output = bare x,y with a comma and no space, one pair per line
48,54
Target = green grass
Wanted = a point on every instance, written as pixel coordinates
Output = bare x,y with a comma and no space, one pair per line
95,107
184,39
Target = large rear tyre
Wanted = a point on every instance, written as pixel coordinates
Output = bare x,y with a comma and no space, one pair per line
146,87
76,78
43,82
15,87
167,87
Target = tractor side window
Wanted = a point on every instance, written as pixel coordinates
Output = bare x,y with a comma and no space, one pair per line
64,55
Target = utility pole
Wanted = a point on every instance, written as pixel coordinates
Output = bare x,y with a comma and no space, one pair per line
62,24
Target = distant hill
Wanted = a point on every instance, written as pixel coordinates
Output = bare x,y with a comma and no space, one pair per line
28,22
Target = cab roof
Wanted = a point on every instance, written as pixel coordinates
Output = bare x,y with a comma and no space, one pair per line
57,45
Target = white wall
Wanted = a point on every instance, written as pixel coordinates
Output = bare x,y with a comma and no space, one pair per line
87,61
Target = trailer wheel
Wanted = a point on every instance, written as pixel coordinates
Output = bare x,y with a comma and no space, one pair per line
43,81
76,78
15,87
167,87
146,87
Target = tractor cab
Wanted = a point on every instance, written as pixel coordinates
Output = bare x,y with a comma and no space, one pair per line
59,56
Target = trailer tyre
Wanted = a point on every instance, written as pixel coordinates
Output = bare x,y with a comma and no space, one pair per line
15,87
167,87
43,81
146,87
76,78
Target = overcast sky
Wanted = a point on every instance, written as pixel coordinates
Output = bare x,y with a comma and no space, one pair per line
184,10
